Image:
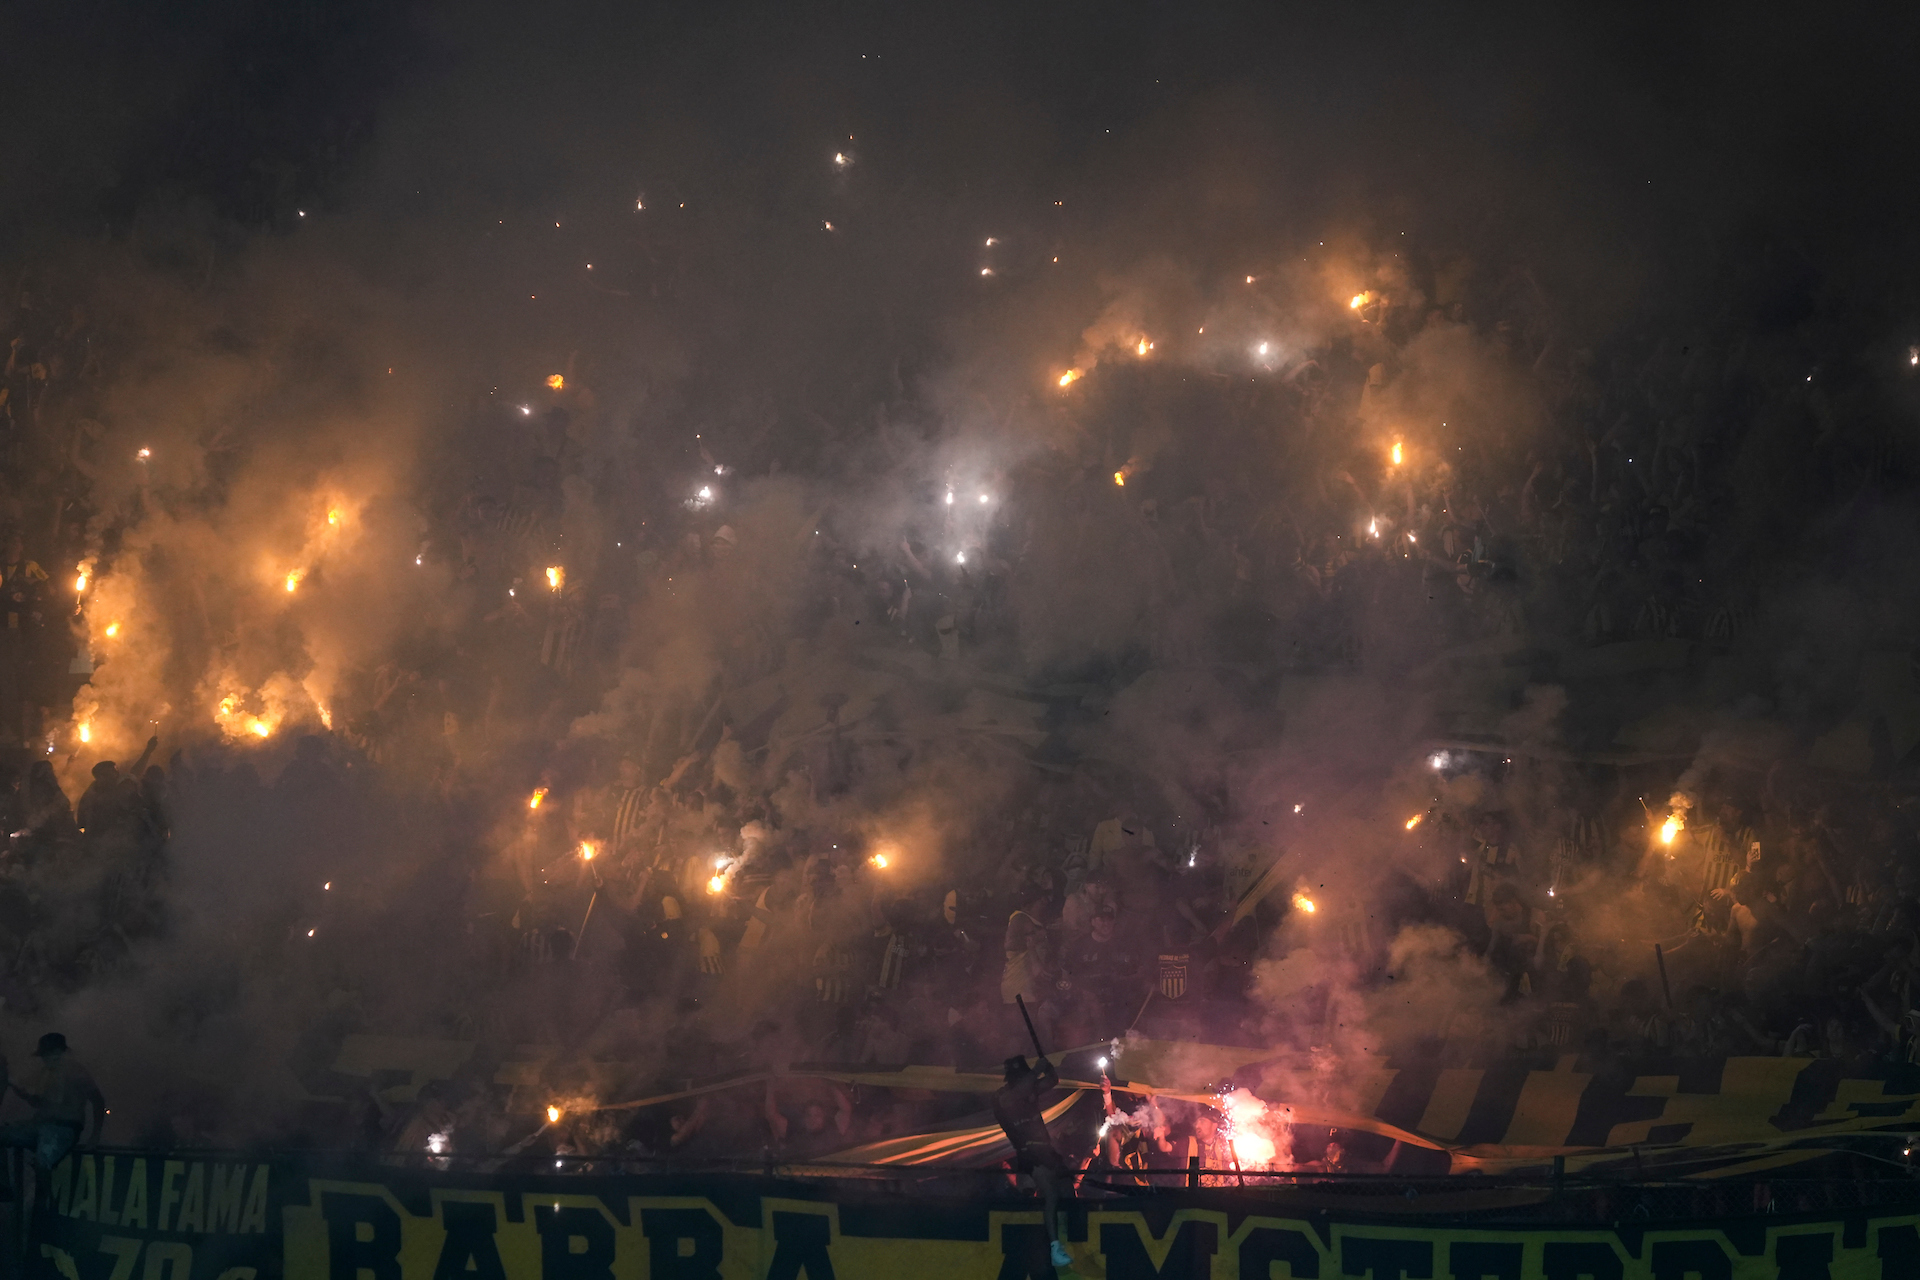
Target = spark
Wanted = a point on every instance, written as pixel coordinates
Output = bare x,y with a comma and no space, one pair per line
526,410
1070,377
556,577
826,226
418,560
113,629
1302,902
1297,808
1397,454
553,1115
840,159
558,381
538,797
1913,356
991,242
1249,279
327,885
1413,537
1414,821
986,271
309,933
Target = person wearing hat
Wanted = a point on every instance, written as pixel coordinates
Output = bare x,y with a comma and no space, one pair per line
60,1099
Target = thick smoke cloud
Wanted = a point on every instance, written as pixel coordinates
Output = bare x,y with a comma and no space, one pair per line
1205,445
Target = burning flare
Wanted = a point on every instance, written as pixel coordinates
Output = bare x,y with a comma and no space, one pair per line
80,583
1070,377
86,732
293,580
1671,828
113,629
588,849
1396,454
1414,821
879,860
556,577
1142,347
558,381
553,1115
718,883
1301,902
539,795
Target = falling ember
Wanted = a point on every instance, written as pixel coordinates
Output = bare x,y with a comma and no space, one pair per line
553,1115
1396,454
1301,902
1671,828
557,381
1414,821
534,801
1070,377
556,577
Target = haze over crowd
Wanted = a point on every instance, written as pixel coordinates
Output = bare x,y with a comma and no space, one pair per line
565,488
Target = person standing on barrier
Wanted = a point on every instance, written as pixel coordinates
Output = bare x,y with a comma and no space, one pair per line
1016,1105
60,1099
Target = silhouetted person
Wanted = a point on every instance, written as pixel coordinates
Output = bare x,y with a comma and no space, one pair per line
1016,1105
61,1098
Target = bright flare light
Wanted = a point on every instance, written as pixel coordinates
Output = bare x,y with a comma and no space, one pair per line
558,381
535,800
333,516
113,629
556,577
1301,902
718,884
1671,828
587,850
293,580
1070,377
879,860
1142,347
553,1115
1396,454
144,454
80,583
1120,478
259,728
1414,821
86,733
1358,301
